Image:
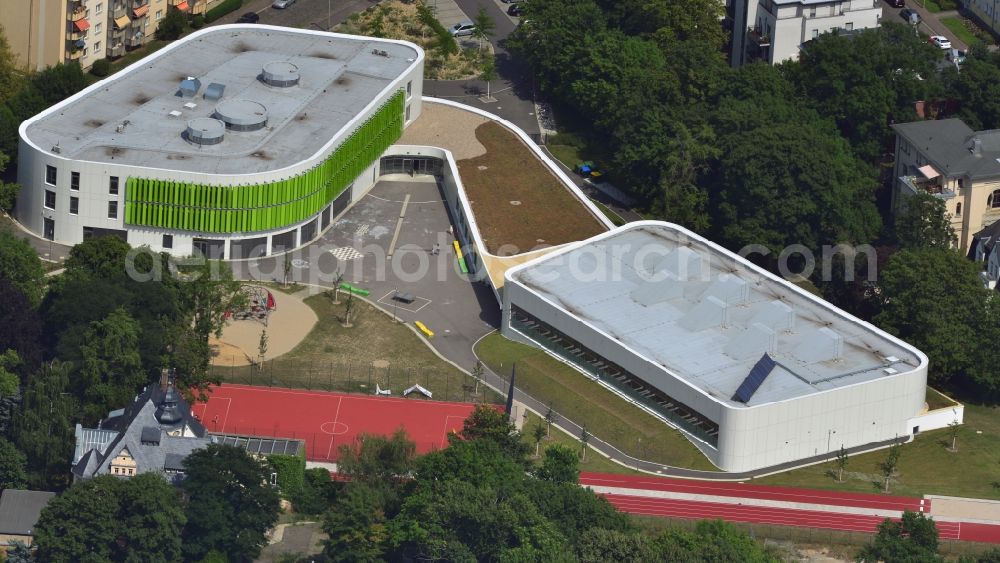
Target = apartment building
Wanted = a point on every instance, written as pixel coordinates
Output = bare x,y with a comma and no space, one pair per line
42,33
774,30
948,159
987,12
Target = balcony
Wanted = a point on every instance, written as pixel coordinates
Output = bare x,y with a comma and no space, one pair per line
759,39
931,186
74,55
78,13
74,34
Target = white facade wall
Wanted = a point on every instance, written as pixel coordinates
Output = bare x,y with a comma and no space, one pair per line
760,436
95,176
791,25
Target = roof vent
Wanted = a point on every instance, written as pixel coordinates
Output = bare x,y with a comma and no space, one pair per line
190,87
280,74
190,105
890,371
56,149
205,131
241,115
214,91
380,53
174,113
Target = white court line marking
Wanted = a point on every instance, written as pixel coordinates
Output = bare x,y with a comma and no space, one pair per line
333,437
444,438
225,419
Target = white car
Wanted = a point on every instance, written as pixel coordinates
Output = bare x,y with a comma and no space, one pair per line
940,41
460,29
282,4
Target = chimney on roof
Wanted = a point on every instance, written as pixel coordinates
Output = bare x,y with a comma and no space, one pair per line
977,146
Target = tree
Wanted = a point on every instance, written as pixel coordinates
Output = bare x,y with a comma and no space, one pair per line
19,552
597,546
888,466
9,381
13,466
286,268
262,348
488,73
112,519
914,538
978,92
489,423
377,458
111,370
348,310
924,222
953,428
584,440
842,460
713,541
356,523
484,26
538,433
20,265
42,427
8,190
230,505
930,294
561,465
172,25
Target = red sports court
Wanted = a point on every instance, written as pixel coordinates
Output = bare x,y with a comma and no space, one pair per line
327,420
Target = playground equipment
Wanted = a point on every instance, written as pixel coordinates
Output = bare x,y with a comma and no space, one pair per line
260,302
423,328
355,290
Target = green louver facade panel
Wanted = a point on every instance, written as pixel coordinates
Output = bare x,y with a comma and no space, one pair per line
260,207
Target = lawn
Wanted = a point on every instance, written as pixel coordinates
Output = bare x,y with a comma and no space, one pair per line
615,218
587,403
518,202
931,5
375,350
957,26
567,154
595,462
925,467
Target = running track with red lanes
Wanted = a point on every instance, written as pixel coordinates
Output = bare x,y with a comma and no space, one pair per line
327,420
676,508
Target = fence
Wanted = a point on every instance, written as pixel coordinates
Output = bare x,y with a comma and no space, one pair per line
356,377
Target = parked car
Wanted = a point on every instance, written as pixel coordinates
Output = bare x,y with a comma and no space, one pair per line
249,17
514,10
282,4
956,56
896,3
467,27
911,16
940,41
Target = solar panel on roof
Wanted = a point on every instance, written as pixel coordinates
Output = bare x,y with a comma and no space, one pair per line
754,379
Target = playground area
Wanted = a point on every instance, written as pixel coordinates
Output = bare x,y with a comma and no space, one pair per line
287,319
327,420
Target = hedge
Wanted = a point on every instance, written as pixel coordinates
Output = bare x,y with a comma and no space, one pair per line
222,9
291,472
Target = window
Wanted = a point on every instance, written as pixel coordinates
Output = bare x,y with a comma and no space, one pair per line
815,33
159,15
97,47
407,113
97,29
84,51
97,8
113,185
50,175
168,241
409,88
812,12
50,199
993,201
849,26
74,205
958,209
112,210
74,180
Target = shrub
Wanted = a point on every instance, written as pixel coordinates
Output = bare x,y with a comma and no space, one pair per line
172,25
222,9
445,42
198,22
101,68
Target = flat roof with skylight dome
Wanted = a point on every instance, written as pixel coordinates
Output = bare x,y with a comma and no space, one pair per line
284,93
